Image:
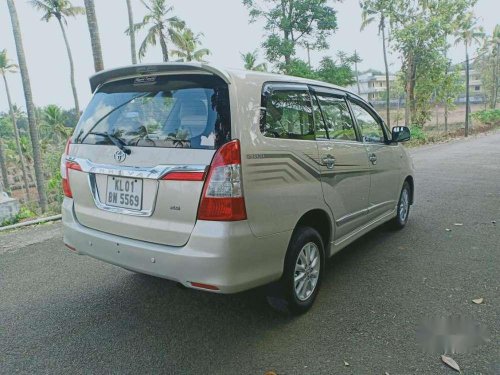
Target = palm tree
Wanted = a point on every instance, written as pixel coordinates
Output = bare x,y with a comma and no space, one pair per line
30,106
370,12
250,61
495,41
187,42
61,10
53,123
161,27
3,167
356,59
131,34
94,35
7,67
468,33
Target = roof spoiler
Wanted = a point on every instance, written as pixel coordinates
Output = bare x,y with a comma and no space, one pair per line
151,69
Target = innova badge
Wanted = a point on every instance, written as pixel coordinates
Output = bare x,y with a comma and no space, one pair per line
120,156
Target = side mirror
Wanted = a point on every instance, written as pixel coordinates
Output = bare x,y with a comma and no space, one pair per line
401,134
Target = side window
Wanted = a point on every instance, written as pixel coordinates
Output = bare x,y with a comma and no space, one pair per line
337,117
288,115
371,129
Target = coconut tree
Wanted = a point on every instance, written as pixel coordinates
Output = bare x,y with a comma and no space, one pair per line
378,11
250,61
356,59
495,41
53,123
131,34
187,43
3,167
94,35
161,27
6,66
468,33
61,10
30,106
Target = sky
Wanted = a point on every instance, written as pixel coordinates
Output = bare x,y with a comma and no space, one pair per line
224,23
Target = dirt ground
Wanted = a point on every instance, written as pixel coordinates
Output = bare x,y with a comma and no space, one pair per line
456,117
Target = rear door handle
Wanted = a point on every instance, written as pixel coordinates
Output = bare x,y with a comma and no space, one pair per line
329,161
373,158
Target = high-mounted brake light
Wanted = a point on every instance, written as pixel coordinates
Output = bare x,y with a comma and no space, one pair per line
222,198
66,165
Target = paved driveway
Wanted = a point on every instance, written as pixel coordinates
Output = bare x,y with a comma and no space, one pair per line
61,313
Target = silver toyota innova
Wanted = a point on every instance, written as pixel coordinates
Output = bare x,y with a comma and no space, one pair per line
225,180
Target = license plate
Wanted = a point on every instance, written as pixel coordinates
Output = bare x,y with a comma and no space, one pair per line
124,192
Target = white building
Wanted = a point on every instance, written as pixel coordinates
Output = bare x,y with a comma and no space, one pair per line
372,86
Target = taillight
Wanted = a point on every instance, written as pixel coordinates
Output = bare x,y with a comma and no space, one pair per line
222,198
66,165
184,176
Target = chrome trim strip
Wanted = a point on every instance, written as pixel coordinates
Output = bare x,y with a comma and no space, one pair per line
350,217
150,173
145,173
117,210
379,205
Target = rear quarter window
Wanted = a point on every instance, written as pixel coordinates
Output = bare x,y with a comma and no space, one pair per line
287,114
182,111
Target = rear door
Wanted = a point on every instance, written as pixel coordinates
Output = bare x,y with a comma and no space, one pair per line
143,146
384,160
345,170
281,180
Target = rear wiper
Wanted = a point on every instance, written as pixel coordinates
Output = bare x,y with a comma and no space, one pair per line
116,141
109,114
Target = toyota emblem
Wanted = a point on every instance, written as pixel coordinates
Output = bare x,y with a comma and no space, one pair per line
120,156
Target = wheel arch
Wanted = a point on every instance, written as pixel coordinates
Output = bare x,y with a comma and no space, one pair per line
319,220
410,181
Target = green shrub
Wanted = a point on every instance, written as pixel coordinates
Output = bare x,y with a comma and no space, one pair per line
488,116
24,213
54,189
418,134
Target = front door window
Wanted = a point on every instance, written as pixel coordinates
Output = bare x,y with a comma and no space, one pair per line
371,129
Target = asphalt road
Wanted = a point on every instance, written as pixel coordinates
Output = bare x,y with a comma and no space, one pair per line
62,313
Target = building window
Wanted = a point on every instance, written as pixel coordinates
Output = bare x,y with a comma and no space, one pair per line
477,88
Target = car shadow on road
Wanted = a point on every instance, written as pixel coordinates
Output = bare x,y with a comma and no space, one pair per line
188,327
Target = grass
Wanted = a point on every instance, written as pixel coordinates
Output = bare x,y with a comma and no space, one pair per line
25,213
429,134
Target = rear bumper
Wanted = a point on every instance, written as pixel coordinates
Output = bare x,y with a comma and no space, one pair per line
223,254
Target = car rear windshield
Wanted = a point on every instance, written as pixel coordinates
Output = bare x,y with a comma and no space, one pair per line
182,111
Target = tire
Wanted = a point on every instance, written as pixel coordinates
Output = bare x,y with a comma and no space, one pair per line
403,207
296,298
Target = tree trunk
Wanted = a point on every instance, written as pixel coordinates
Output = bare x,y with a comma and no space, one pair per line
446,117
387,85
437,117
308,55
467,91
356,71
3,168
30,106
408,89
94,35
18,142
132,32
496,78
397,112
164,49
71,69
